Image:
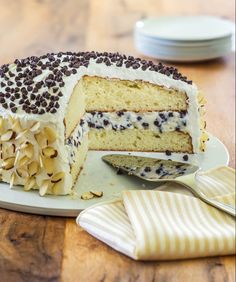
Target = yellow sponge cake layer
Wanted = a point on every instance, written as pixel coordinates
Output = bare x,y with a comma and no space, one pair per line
75,109
139,140
104,94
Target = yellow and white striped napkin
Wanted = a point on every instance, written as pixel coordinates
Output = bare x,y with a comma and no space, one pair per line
160,225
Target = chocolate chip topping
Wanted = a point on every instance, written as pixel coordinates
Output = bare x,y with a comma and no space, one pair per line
185,158
22,81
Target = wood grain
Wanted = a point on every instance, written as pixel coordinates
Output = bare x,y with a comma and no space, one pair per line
31,247
97,262
38,248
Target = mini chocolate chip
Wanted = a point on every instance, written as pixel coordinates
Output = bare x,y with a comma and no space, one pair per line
44,104
53,110
41,111
183,113
119,172
105,122
147,169
32,96
162,116
119,64
168,153
67,73
38,72
35,111
159,170
9,83
145,124
185,157
29,82
120,113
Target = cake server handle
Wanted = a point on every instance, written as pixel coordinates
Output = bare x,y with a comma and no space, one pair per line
189,182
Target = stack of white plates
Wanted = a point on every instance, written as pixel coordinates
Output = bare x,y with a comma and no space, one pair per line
184,38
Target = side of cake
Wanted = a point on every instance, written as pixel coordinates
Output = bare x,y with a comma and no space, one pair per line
55,107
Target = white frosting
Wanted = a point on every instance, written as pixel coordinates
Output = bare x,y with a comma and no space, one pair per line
122,73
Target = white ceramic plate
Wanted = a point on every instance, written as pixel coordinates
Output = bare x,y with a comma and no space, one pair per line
219,43
176,55
97,175
186,28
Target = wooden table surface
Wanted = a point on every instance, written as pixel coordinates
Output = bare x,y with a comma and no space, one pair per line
43,248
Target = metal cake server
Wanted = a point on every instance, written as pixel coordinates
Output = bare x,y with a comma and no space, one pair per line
157,170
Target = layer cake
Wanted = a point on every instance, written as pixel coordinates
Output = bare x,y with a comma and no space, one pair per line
55,107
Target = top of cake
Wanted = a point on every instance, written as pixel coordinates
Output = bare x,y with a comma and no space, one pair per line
43,85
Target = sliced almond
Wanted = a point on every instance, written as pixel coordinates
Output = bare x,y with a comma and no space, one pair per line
40,161
33,168
1,152
97,193
204,136
1,124
17,157
8,163
48,164
57,177
29,151
35,127
21,134
57,188
8,149
12,179
50,134
23,161
16,126
50,152
41,139
22,172
203,124
24,145
87,196
44,187
29,184
7,136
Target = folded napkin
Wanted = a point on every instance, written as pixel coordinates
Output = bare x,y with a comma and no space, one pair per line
161,225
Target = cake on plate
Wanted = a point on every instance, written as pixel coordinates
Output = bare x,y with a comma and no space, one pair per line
56,107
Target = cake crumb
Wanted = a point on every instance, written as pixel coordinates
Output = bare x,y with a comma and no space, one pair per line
97,193
87,196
